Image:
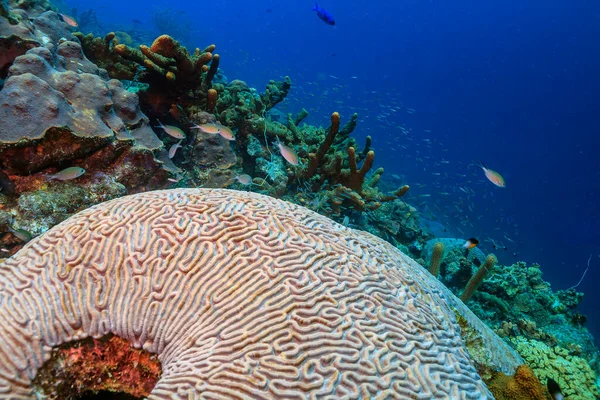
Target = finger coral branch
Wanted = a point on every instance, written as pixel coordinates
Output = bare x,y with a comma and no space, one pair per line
211,100
316,158
355,176
212,70
478,277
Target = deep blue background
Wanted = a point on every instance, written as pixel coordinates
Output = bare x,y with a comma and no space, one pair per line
515,84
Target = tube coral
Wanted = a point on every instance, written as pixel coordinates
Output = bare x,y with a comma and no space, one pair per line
211,100
478,277
437,256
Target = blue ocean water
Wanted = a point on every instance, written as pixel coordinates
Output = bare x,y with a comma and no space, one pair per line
439,86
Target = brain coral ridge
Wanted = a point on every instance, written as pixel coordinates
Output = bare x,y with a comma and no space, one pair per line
241,296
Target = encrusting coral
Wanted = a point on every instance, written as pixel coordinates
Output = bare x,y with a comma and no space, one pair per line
56,111
572,373
238,293
522,385
26,24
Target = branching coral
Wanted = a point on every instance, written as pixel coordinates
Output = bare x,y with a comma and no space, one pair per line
174,75
345,182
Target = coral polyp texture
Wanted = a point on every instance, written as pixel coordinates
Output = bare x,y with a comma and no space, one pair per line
239,295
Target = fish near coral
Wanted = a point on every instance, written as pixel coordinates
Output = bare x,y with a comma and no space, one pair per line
225,132
22,234
210,128
324,15
244,179
470,243
493,176
288,153
172,130
554,390
67,174
174,148
69,20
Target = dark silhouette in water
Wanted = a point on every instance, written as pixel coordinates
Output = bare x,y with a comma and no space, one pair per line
324,15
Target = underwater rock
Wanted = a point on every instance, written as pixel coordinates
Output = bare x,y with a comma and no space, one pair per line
241,292
28,24
210,160
54,115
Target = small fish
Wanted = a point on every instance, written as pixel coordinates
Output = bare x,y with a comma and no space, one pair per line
226,132
324,15
554,389
21,234
69,20
208,128
67,174
172,130
493,176
244,179
470,243
288,153
174,148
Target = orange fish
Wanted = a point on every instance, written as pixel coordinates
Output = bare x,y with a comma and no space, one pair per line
493,176
172,130
470,243
225,132
288,153
69,20
210,128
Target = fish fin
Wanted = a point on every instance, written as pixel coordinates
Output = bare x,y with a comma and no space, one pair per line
316,7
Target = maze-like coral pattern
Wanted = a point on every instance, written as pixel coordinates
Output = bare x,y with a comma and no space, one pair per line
240,295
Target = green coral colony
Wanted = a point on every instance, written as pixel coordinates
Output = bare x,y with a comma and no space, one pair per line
89,134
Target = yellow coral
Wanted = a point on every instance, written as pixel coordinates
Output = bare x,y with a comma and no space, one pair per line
522,385
573,374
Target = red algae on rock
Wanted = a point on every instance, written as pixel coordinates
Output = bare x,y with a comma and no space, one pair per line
94,365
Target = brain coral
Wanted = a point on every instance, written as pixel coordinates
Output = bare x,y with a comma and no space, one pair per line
241,296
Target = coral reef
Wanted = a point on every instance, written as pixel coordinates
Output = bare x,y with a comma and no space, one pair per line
27,24
56,112
573,374
220,284
62,109
173,74
522,307
522,385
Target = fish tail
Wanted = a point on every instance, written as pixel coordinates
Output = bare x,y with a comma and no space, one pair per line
316,7
482,164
